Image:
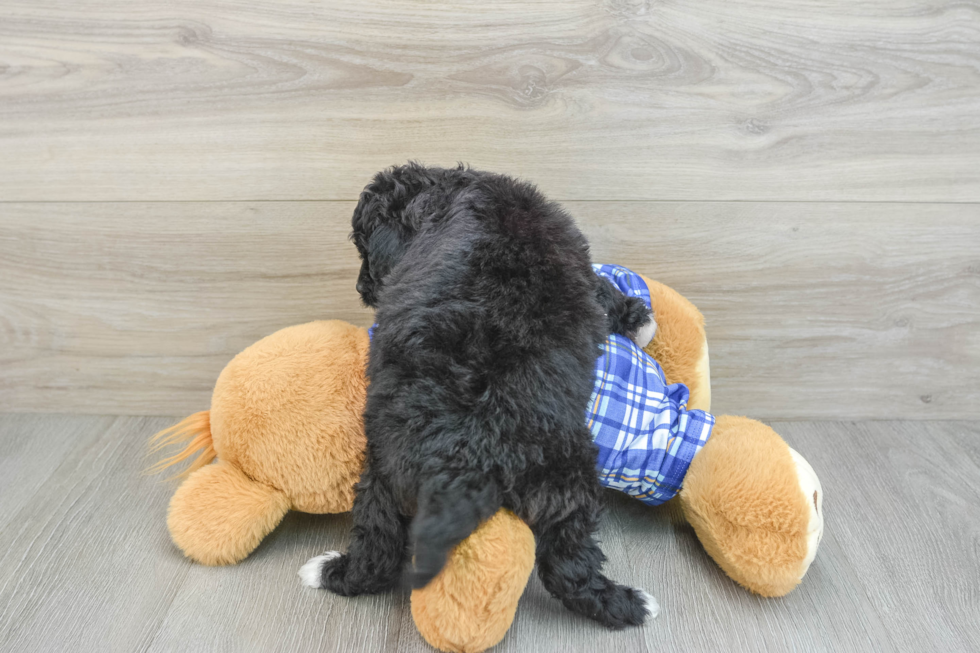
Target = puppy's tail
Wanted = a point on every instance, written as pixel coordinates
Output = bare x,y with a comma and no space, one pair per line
451,506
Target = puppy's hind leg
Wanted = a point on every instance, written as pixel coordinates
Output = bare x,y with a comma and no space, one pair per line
569,563
377,550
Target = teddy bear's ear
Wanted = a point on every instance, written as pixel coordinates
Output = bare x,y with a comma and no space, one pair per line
680,344
219,515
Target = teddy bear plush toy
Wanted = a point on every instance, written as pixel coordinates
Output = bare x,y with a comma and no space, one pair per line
284,432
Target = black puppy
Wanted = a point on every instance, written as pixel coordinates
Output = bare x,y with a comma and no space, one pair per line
489,320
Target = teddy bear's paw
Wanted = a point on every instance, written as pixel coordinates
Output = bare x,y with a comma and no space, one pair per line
312,572
650,603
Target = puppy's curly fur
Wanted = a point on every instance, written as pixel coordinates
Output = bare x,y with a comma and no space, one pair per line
489,319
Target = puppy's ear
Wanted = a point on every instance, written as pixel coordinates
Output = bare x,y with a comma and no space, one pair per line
393,190
386,247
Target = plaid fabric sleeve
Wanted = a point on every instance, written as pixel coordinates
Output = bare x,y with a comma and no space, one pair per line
644,433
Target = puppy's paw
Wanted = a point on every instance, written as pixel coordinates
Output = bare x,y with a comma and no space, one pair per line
650,603
625,606
634,320
646,332
312,573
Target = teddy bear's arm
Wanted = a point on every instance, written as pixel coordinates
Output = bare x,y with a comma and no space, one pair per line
755,504
680,344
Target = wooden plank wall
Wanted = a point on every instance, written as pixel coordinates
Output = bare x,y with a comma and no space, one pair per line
176,179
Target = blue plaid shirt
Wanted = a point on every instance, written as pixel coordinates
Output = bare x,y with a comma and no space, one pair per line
646,437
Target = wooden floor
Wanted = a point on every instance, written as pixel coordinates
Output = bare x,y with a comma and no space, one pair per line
86,563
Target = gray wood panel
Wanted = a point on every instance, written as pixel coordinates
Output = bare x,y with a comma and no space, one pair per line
616,99
27,460
820,310
86,564
135,308
262,606
904,503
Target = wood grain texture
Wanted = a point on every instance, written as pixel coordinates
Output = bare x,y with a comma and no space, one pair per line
141,305
903,504
27,461
86,564
818,311
593,99
813,310
262,606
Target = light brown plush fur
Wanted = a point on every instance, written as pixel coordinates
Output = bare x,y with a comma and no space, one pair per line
285,423
742,496
219,515
741,493
680,345
287,412
285,426
470,605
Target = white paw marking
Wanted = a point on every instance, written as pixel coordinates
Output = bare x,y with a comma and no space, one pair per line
650,603
646,333
311,573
